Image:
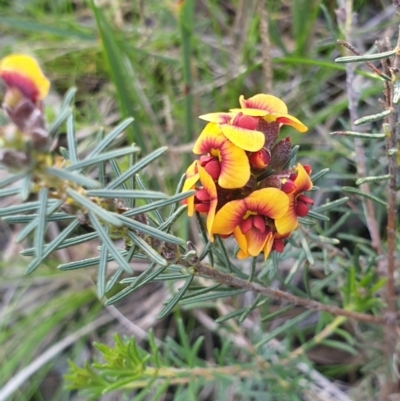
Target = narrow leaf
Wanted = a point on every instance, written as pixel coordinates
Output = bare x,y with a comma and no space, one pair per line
102,272
147,249
173,302
110,137
373,179
73,177
41,225
372,118
355,134
52,246
71,139
153,232
137,167
368,196
367,57
108,243
119,193
91,159
91,206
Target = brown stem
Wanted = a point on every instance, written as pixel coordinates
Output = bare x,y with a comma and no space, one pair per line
228,279
390,127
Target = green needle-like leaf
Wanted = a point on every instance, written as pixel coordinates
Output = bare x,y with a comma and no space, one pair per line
68,98
315,177
137,167
80,239
368,196
159,204
147,249
172,303
110,137
12,178
92,160
52,246
73,155
60,120
102,272
367,57
331,205
27,218
73,177
153,232
317,216
92,207
103,234
54,205
9,192
25,189
26,207
120,193
41,222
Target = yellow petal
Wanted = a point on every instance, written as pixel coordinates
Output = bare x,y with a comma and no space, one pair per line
271,202
269,103
229,217
290,120
210,138
218,118
235,166
288,222
246,139
23,72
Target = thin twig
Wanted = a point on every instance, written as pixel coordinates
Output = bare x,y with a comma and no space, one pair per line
390,127
227,279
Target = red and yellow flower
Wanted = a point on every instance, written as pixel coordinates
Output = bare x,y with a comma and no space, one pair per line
234,168
23,78
250,220
205,199
240,129
270,108
298,203
246,189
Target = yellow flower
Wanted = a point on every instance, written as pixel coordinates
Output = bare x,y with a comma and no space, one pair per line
23,73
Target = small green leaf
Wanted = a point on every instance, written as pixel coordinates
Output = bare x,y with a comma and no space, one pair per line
173,302
372,118
366,57
126,193
92,207
368,196
355,134
136,168
103,234
73,177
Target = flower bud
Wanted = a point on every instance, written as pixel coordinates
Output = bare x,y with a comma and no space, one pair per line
260,159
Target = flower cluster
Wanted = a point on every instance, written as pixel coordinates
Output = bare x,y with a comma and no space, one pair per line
243,181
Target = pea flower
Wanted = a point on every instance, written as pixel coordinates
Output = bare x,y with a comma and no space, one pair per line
243,178
250,220
270,108
22,74
298,203
234,168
